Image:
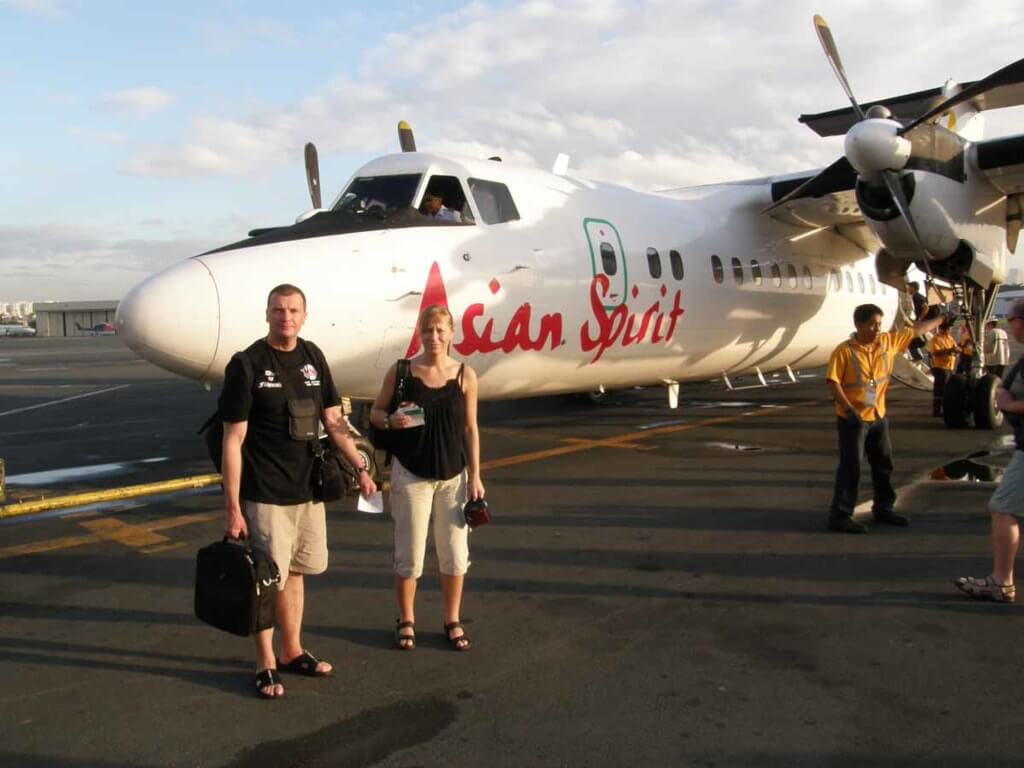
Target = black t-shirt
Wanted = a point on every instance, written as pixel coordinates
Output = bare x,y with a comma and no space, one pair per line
275,468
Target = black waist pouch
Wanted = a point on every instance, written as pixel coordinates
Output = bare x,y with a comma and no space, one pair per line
303,419
235,587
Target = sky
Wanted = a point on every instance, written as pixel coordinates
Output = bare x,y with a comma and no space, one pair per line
138,134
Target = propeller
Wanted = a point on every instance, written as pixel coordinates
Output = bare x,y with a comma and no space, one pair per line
875,146
405,137
313,175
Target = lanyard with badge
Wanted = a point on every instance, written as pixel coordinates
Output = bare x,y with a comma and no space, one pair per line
871,385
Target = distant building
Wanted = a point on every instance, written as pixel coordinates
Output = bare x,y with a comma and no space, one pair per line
75,318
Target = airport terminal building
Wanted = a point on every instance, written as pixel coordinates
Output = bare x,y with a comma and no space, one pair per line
74,318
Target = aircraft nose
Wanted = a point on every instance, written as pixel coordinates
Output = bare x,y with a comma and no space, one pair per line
172,319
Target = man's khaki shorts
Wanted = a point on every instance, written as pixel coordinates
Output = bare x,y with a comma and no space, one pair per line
1008,498
294,535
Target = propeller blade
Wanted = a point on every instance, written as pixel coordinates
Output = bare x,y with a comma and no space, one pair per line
1008,75
405,137
937,150
837,177
892,182
313,175
832,54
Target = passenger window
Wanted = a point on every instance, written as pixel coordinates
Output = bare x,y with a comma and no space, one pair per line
737,271
755,272
776,276
837,284
677,264
808,279
791,274
860,283
849,282
653,263
871,282
716,269
494,201
608,260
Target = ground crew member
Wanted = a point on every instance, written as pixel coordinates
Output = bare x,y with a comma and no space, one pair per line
966,351
997,349
943,350
858,377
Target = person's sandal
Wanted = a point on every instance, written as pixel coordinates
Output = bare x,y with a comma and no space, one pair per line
986,589
405,642
459,642
267,678
304,664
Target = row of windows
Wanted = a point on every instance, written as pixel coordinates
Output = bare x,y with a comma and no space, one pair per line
793,279
611,265
759,273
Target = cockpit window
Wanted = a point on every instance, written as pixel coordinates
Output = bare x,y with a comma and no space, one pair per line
444,200
494,201
379,194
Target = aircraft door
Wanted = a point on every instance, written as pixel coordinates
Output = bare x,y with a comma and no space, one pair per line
608,257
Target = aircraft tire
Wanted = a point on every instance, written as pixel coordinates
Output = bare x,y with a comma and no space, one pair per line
956,402
986,414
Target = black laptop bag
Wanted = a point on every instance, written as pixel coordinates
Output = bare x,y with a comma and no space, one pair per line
235,587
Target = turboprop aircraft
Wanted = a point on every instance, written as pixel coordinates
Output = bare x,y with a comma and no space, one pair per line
559,284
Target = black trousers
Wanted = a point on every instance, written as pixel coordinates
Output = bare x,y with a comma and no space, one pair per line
870,438
939,378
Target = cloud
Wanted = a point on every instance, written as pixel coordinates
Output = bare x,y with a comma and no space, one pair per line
35,260
48,9
651,94
139,102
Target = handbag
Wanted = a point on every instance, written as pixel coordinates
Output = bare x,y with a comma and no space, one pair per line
235,586
332,476
476,513
388,439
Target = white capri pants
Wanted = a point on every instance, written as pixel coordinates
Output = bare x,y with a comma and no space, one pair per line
413,499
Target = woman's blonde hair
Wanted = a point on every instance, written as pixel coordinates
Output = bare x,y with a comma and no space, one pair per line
432,312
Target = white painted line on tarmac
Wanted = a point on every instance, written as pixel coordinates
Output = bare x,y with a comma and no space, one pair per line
661,424
63,400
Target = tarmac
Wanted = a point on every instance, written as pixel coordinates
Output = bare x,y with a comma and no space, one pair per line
657,588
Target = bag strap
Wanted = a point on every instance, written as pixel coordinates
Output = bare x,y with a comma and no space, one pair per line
402,372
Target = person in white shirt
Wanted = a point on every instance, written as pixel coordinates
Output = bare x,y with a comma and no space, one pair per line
997,349
433,205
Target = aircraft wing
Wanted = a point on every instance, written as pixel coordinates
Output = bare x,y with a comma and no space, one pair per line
828,201
907,107
1002,162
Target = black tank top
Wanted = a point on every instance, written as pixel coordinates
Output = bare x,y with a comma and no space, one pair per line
435,450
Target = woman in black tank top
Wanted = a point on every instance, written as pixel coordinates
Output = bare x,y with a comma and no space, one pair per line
436,470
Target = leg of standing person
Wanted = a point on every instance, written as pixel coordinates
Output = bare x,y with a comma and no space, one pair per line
844,497
938,390
451,538
878,448
1006,503
411,499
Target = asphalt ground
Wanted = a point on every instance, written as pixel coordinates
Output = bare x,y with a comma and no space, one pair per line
648,593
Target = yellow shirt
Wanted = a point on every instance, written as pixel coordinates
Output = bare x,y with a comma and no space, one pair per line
865,369
942,342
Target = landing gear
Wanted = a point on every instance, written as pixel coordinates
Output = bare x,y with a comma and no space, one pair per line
966,398
368,455
986,414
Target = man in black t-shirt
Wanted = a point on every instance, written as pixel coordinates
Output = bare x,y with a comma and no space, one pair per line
267,473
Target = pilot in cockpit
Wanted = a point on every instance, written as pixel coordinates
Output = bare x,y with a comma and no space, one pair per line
433,205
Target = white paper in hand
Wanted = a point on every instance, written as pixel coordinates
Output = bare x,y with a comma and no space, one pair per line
374,505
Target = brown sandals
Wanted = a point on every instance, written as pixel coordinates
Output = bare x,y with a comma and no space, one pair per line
986,589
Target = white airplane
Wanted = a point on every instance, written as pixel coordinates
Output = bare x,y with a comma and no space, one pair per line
16,330
559,284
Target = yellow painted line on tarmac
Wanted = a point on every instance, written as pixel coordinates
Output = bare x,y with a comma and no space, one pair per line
141,536
144,537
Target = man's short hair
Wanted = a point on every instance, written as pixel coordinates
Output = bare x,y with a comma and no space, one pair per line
286,289
865,312
914,285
